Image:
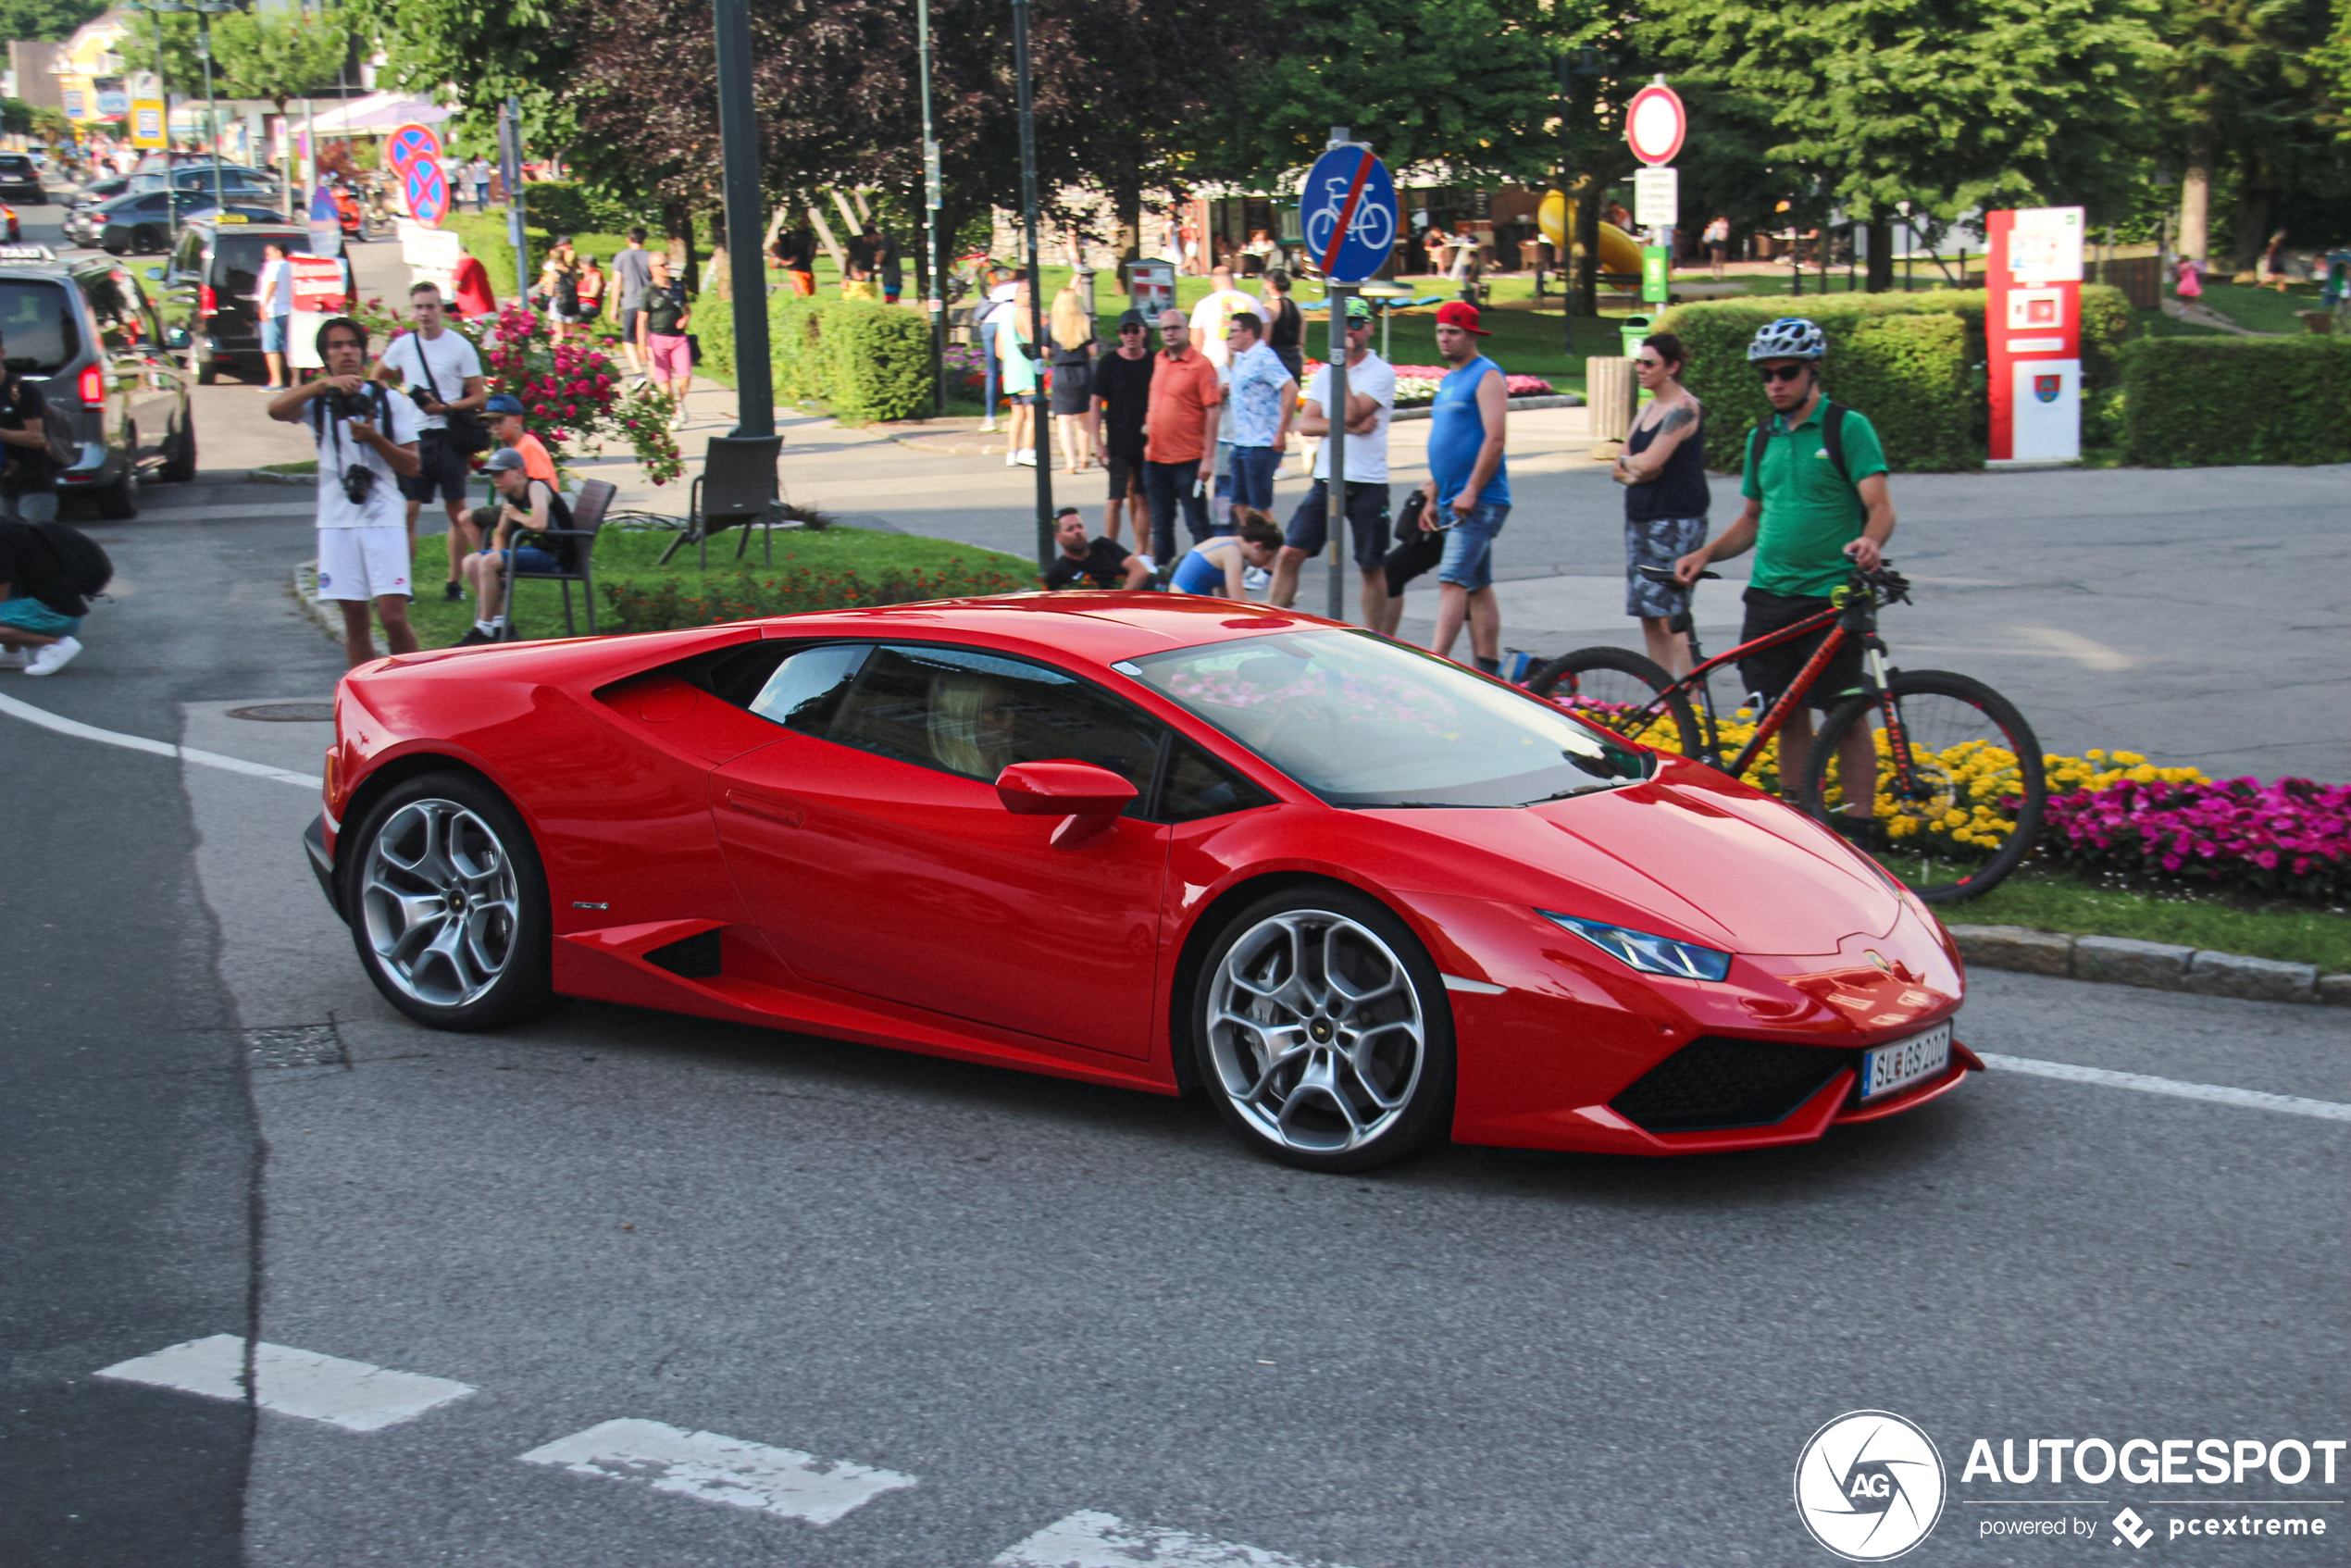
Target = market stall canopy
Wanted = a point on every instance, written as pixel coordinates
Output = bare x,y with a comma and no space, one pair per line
377,112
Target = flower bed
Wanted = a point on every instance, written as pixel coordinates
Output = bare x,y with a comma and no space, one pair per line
1416,384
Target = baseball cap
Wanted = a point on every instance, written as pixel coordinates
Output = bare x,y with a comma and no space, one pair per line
1461,314
503,402
1132,318
503,458
1359,310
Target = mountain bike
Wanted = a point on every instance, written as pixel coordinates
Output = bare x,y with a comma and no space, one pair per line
1955,791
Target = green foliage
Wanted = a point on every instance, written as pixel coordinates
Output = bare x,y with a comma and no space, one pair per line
484,236
656,606
167,45
564,206
50,21
2192,401
868,361
1946,103
16,117
1923,388
277,56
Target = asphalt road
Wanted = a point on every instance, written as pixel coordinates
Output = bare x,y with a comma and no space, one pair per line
1034,1301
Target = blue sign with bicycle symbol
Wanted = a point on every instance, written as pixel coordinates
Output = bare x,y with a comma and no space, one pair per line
1349,211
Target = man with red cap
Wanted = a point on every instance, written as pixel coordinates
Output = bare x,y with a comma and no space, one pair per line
1469,486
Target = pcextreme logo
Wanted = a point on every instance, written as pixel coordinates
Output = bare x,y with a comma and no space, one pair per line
1869,1486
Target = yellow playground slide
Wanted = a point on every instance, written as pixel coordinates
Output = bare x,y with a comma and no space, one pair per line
1619,251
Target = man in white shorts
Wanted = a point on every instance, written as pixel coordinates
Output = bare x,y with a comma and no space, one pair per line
367,435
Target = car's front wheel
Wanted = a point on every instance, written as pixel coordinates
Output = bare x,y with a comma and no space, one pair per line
1322,1031
448,904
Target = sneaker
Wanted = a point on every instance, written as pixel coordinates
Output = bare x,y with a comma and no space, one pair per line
475,637
54,657
452,592
1027,457
1257,576
678,421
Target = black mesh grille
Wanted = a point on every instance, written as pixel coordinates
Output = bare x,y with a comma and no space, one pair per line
1716,1081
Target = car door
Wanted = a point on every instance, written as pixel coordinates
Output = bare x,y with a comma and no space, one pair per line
136,393
161,405
870,843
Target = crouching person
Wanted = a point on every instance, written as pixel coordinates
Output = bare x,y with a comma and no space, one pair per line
47,572
529,508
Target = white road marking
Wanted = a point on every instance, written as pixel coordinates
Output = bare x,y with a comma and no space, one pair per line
717,1469
349,1394
82,731
1091,1539
2253,1099
2074,646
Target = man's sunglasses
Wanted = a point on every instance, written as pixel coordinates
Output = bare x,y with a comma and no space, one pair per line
1123,330
1779,372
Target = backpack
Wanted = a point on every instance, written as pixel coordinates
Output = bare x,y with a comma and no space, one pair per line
1832,440
78,570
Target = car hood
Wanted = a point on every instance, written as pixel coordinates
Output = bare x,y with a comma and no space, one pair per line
1696,854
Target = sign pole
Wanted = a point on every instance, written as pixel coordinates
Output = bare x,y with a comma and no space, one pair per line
935,305
510,157
1336,511
739,155
1348,212
1040,449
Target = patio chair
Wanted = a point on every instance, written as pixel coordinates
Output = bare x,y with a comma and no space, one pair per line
587,516
736,489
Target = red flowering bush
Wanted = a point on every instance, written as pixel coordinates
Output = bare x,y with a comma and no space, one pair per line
1416,384
572,394
2291,837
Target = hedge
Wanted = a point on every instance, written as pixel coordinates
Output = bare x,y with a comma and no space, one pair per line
485,238
1923,388
2195,402
867,360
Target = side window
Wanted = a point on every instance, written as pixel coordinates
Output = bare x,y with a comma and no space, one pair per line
187,261
117,316
1196,785
805,690
977,714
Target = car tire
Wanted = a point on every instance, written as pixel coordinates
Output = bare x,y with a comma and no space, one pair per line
1322,1031
146,240
119,501
180,457
447,903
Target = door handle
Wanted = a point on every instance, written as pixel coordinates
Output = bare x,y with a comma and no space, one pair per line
766,806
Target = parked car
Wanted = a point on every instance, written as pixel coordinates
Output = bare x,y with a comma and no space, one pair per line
212,286
87,332
20,180
99,191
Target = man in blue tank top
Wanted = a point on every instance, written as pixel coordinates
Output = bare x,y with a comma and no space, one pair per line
1469,486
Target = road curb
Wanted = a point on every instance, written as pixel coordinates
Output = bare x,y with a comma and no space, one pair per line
2158,965
304,586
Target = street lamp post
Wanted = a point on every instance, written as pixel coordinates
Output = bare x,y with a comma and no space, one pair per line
204,11
1038,449
739,151
936,304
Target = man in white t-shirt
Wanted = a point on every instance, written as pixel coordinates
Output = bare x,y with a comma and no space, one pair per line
1371,403
442,375
1214,313
366,447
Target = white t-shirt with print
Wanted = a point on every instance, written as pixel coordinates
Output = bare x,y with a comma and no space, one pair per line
1210,317
1371,377
451,357
339,449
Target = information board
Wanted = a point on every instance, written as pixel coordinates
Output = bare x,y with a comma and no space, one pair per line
2033,333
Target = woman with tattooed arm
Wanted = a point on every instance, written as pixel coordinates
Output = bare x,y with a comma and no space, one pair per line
1663,471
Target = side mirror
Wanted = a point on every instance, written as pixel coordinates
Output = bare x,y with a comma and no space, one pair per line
154,274
177,337
1086,798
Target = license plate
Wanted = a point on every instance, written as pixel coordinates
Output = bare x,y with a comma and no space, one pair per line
1905,1062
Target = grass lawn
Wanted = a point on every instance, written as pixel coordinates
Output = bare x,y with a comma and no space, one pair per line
2048,901
630,556
2263,310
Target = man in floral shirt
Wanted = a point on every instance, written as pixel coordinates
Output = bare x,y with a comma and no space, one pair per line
1263,396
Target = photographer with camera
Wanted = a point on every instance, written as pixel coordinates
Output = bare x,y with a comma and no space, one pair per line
367,436
442,375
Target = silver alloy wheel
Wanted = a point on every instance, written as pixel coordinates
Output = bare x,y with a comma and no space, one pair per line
1314,1026
438,898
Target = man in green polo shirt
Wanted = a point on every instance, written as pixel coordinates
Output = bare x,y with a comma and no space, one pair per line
1809,526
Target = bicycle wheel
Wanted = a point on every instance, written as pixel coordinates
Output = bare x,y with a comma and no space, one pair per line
1622,691
1971,807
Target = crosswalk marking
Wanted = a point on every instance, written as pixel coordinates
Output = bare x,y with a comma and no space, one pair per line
717,1469
1092,1540
349,1394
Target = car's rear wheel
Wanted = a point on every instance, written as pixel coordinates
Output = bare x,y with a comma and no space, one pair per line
448,904
146,239
1322,1031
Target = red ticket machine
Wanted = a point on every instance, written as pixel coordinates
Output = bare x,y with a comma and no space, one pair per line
2032,330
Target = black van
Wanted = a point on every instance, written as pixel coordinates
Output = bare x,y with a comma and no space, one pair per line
213,284
20,180
85,332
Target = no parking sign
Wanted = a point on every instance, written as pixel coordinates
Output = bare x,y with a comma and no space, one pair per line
426,188
409,144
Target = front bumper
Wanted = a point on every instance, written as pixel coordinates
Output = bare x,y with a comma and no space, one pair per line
322,861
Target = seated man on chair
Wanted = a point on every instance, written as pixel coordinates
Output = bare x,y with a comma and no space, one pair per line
530,506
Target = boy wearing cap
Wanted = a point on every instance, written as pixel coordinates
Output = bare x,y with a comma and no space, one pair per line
1371,403
1469,486
1122,396
504,416
530,508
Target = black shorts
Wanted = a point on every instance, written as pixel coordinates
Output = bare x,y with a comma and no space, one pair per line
1367,521
440,470
1073,388
1408,561
629,320
1774,670
1125,473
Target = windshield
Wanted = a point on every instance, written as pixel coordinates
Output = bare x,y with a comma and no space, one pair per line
1364,722
38,326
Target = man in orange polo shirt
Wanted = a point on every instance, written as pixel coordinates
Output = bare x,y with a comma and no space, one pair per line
1179,455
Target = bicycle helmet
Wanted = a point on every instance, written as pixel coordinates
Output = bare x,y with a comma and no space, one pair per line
1791,337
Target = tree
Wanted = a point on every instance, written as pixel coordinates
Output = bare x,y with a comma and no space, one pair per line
16,117
2245,99
166,45
47,20
277,56
1949,105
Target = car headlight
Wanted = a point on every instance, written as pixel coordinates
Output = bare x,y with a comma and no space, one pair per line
1649,954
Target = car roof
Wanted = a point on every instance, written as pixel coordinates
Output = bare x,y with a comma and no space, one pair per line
273,230
16,261
1087,623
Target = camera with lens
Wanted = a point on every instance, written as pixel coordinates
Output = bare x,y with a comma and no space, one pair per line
342,404
359,482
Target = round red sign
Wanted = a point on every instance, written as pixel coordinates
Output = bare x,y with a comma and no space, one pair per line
1655,122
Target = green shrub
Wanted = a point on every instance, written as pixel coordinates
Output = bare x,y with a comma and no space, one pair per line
641,605
1878,369
485,238
563,206
868,361
2193,402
